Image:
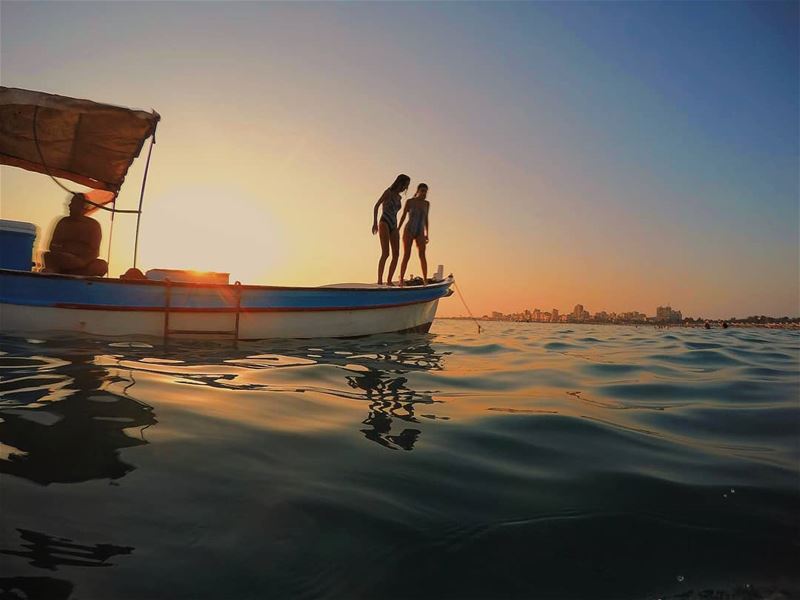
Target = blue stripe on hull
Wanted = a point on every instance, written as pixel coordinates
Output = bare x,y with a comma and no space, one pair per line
34,289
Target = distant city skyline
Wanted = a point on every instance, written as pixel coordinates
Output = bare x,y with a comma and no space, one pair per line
579,313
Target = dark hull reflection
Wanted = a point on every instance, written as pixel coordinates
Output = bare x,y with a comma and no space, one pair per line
63,425
60,422
374,368
381,381
34,588
48,552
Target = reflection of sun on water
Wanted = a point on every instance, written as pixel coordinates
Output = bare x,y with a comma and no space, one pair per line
212,229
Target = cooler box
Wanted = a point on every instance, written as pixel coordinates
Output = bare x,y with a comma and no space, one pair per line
16,245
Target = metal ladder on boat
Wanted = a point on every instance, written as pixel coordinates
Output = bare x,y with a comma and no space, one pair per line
234,333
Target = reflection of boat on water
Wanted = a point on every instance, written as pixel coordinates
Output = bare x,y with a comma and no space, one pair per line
66,417
390,398
48,552
62,426
50,588
375,370
51,553
101,143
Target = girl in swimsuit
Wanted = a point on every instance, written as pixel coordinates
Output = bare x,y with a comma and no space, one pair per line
387,228
416,230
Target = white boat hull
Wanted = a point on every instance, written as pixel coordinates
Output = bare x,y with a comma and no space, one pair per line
31,303
17,319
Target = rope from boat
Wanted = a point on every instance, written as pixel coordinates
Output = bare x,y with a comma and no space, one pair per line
113,210
469,312
61,185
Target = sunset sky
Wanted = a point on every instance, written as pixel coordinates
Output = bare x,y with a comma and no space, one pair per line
620,155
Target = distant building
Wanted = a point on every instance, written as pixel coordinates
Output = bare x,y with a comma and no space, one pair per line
554,318
632,316
665,314
497,315
577,312
537,315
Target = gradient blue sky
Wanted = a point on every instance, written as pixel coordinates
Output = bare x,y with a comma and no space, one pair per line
621,155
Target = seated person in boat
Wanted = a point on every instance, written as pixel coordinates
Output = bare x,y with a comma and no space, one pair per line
75,246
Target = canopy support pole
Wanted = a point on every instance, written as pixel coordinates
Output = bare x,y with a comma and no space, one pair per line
111,234
141,198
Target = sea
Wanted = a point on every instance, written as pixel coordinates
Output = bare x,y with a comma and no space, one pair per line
541,461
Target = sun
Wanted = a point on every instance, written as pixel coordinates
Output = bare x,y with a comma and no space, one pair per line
205,228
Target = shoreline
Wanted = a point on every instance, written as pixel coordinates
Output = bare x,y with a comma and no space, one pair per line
715,324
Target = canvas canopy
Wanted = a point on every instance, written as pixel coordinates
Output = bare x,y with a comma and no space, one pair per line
86,142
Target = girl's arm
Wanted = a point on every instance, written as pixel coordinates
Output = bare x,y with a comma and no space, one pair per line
375,213
403,217
427,224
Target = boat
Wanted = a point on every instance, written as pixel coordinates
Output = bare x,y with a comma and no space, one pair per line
94,145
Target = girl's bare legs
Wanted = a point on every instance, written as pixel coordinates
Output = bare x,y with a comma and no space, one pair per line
383,233
423,261
394,240
406,255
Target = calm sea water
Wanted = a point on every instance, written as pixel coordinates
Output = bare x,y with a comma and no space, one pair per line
530,461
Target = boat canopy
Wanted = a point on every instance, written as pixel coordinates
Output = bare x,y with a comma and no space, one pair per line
86,142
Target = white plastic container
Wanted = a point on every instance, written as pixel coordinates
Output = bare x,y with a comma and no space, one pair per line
184,276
